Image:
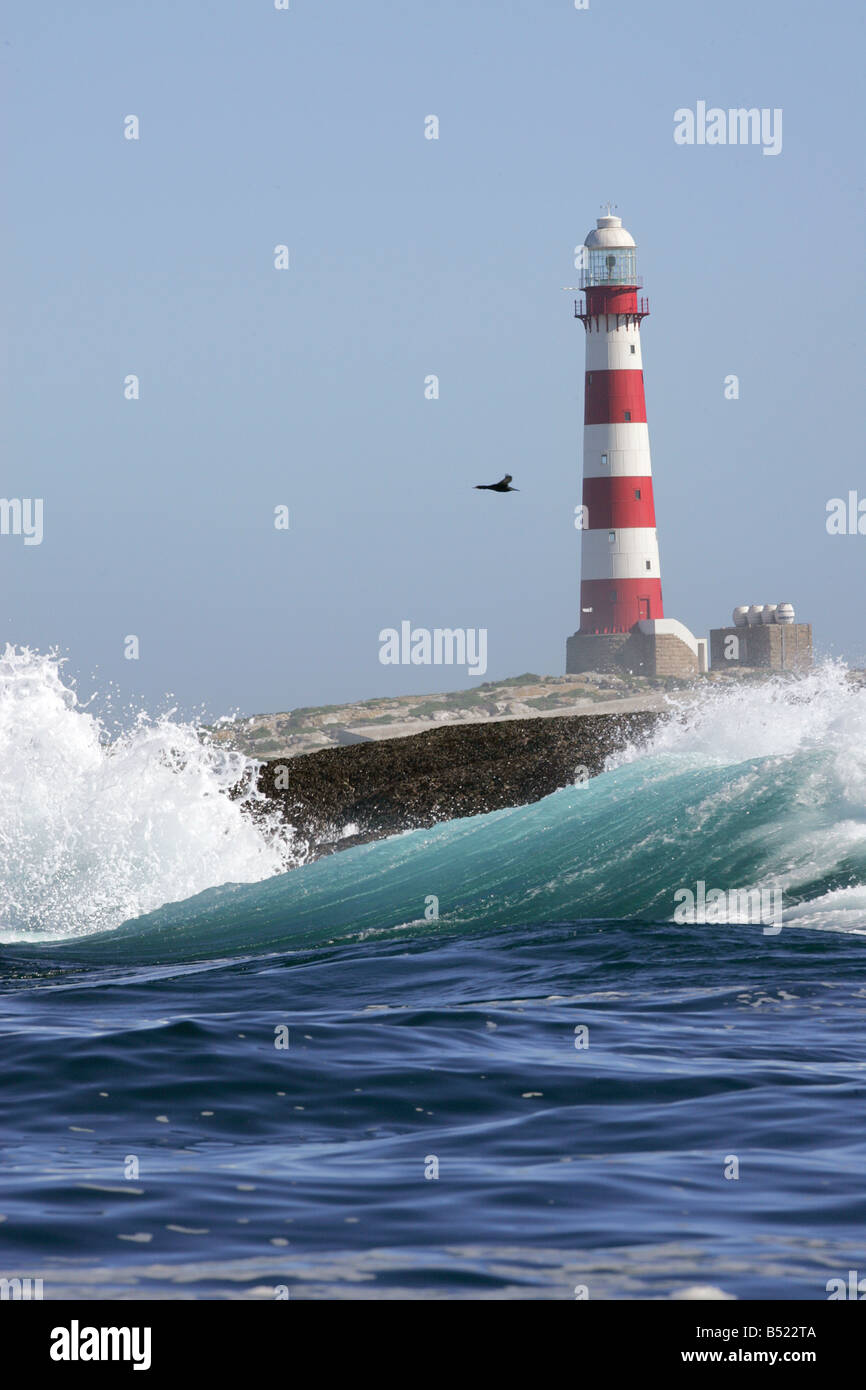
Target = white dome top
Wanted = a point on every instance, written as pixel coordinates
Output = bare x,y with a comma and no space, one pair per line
609,231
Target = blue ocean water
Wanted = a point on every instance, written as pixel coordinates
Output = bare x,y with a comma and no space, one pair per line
551,1089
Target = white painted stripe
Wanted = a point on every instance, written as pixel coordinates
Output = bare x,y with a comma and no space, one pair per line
621,463
613,351
625,557
626,446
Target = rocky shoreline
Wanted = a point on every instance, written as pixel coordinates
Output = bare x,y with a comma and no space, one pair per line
344,796
290,733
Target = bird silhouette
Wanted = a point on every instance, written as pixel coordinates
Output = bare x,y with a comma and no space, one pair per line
503,486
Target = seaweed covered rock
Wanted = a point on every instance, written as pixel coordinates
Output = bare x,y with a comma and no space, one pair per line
337,797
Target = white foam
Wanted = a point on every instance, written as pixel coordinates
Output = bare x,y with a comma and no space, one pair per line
802,739
93,832
733,723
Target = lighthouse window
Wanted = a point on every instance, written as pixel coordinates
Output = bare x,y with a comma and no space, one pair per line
628,414
649,565
611,535
604,460
632,347
613,596
637,494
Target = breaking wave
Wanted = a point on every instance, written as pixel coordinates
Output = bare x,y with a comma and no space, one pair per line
748,787
94,831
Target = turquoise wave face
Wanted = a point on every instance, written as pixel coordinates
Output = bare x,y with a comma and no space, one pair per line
626,845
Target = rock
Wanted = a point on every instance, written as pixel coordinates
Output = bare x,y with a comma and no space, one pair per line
345,737
382,787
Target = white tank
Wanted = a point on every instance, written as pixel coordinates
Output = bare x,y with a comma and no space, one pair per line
785,613
740,615
755,614
768,614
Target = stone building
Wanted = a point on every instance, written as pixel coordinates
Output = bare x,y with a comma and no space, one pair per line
773,646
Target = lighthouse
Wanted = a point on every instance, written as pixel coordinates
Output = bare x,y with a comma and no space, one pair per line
622,621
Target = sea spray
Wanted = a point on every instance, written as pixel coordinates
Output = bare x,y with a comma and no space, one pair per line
733,722
791,801
94,832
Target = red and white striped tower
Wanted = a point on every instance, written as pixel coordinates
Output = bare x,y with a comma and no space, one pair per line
620,577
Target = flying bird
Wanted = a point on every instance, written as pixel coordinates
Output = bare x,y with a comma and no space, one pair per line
503,486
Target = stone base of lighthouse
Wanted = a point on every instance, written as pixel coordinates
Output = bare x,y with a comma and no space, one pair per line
662,647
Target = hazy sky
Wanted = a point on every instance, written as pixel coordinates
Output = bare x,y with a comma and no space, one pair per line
409,257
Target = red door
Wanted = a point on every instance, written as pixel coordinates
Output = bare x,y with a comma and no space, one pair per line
643,608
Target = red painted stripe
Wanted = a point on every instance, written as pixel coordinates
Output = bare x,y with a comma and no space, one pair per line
612,502
607,299
635,599
612,397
